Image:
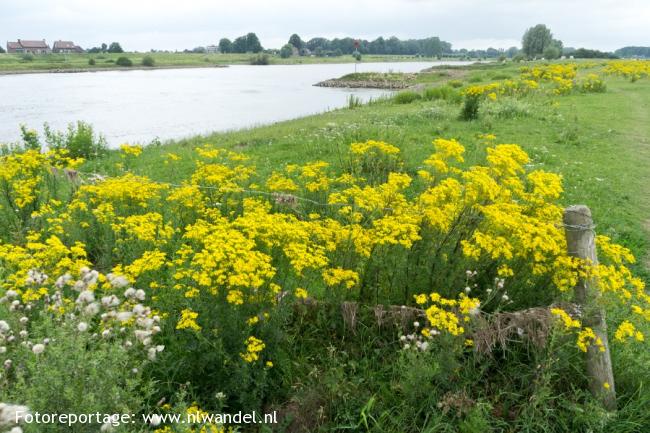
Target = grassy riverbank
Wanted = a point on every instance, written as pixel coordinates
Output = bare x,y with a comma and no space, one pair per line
270,258
14,63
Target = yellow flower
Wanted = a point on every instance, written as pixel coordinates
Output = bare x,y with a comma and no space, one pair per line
188,320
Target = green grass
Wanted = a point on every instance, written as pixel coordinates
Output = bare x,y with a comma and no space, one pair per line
16,63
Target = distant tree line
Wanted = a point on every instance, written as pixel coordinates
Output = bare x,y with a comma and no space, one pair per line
584,53
248,43
643,52
114,47
319,46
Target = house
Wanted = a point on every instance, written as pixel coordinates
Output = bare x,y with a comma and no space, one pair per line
212,49
32,47
66,47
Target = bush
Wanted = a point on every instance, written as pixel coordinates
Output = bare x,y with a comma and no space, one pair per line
406,97
27,57
286,51
79,140
455,83
260,59
91,62
124,61
148,61
470,108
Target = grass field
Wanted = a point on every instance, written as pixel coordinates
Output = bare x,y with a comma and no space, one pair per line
53,62
324,366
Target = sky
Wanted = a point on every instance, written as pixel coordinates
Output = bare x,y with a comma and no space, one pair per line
141,25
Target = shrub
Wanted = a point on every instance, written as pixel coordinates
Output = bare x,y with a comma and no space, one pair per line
286,51
260,59
124,61
27,57
455,83
470,107
91,62
406,97
148,61
79,140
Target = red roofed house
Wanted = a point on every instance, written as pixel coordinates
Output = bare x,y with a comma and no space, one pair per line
66,47
32,47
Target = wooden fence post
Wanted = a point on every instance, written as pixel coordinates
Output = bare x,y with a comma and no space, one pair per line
581,243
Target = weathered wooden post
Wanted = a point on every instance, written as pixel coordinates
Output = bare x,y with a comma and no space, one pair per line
581,243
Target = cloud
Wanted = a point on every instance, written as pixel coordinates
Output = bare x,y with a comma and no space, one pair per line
170,24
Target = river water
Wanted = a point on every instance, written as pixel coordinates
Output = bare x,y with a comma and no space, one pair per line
139,106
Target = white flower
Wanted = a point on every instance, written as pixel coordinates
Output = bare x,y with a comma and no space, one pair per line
129,293
107,427
24,320
106,333
468,289
3,349
138,309
403,338
416,324
155,420
92,309
142,335
140,295
11,294
46,341
82,326
4,326
118,281
407,346
23,334
110,301
86,297
424,346
38,348
124,316
220,395
62,281
160,348
505,297
9,413
151,353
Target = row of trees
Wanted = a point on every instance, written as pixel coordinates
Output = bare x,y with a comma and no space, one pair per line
642,52
429,47
114,47
248,43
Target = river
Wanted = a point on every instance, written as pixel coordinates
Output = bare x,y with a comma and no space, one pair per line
139,106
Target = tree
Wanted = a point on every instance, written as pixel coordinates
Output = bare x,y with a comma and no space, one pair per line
115,47
104,48
536,40
239,45
512,51
253,43
551,52
286,51
225,45
296,41
2,50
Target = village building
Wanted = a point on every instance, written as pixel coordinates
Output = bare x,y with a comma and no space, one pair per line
31,47
66,47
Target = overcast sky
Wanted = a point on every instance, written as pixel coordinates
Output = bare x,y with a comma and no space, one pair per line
178,24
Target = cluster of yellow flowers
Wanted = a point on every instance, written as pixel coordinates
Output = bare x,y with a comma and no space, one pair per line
213,242
632,69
